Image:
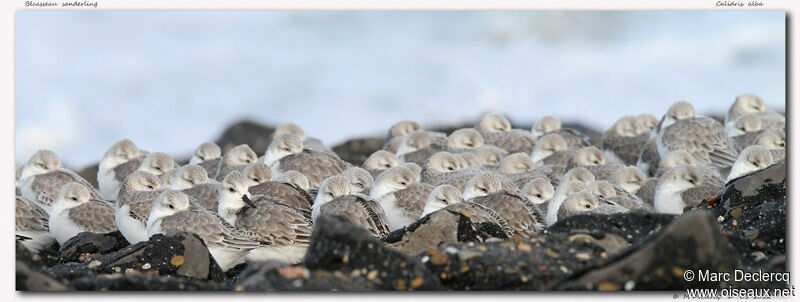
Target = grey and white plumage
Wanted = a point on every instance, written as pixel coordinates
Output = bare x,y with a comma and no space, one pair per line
391,145
360,180
119,161
552,125
645,123
552,150
75,211
521,169
379,161
193,180
649,158
43,176
158,164
496,130
291,194
283,229
205,152
623,142
286,153
606,190
236,159
703,137
308,142
207,155
749,103
134,201
465,139
489,155
708,174
671,192
629,178
744,131
520,213
584,202
31,225
751,159
334,198
400,195
539,191
419,145
295,178
448,198
172,212
563,190
775,141
647,191
402,128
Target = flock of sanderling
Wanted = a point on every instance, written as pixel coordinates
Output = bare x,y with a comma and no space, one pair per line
250,208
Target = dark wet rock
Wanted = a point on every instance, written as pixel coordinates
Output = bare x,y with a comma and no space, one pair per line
356,151
32,279
633,227
142,282
31,274
338,245
441,227
752,212
86,246
180,254
536,263
694,242
255,135
277,276
768,185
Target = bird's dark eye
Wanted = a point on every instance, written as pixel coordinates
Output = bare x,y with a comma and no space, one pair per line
538,195
691,181
256,179
387,165
330,194
403,183
587,206
201,158
74,198
443,200
158,168
483,190
171,207
231,190
450,168
123,156
150,187
754,163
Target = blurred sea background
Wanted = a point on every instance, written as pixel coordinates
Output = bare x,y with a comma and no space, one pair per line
170,80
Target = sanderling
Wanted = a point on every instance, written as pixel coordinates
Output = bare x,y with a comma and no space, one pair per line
31,225
285,229
334,198
120,160
751,159
172,212
286,152
74,211
400,195
134,201
43,176
519,212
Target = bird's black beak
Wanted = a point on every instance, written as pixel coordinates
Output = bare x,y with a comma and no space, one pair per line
248,201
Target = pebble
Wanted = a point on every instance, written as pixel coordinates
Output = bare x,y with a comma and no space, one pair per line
177,260
439,259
